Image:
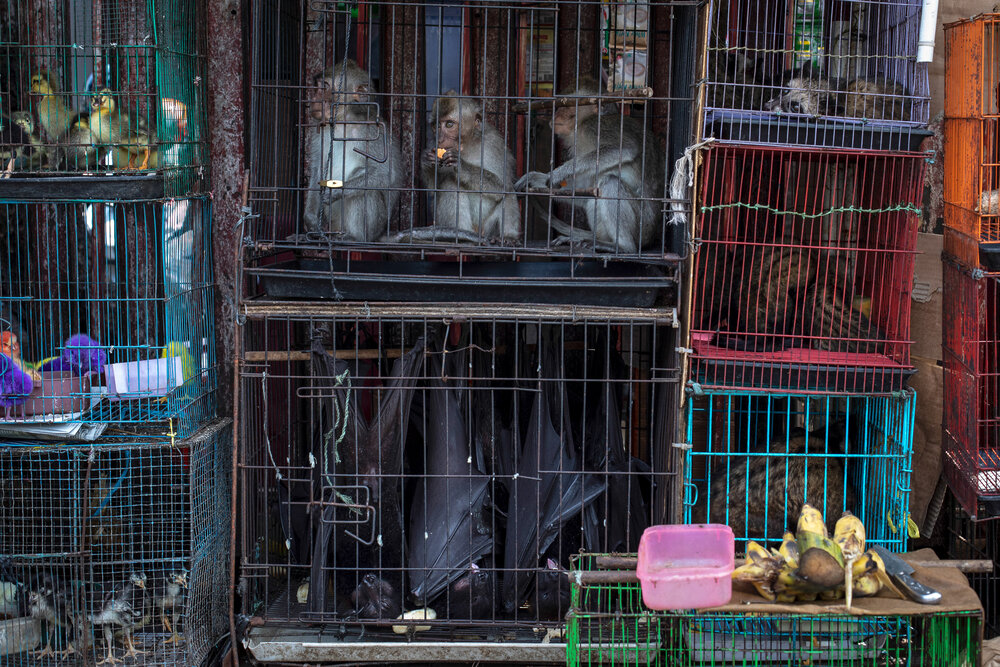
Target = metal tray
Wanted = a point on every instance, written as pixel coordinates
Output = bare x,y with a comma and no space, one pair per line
620,284
774,129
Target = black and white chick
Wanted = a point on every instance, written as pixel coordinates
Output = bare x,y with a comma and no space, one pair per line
51,603
121,610
168,598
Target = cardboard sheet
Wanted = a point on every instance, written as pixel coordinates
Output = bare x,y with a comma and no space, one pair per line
956,595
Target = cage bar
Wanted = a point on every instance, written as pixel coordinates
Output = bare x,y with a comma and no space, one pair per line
803,271
107,316
971,131
514,65
969,539
79,522
836,74
452,462
971,426
113,88
755,460
610,626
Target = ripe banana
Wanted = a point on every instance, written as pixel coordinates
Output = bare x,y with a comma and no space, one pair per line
849,534
811,521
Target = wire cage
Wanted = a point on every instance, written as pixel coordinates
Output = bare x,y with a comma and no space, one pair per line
971,426
443,460
752,461
106,311
112,88
804,268
609,625
80,524
972,133
461,143
976,540
837,73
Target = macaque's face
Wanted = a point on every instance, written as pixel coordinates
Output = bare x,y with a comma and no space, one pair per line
448,135
322,98
564,121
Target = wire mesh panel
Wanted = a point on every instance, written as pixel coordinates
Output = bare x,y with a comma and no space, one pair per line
971,130
803,273
396,463
99,550
835,73
107,316
610,626
422,132
108,87
972,389
755,460
971,540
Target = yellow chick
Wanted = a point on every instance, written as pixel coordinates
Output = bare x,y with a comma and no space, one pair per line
80,149
129,141
53,114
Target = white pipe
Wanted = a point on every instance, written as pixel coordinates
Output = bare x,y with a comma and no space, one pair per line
928,28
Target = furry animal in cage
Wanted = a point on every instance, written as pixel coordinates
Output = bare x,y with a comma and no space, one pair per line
785,297
764,494
805,91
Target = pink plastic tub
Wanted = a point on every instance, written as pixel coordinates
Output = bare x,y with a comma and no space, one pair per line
686,566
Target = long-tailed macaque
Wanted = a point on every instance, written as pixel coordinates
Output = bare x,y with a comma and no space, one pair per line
471,171
352,147
610,153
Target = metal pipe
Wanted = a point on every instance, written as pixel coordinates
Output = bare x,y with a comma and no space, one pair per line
928,28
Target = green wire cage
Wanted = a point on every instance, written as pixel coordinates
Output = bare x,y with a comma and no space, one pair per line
608,625
116,86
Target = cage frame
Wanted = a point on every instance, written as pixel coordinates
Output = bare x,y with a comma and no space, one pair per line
969,433
737,124
800,362
280,637
882,427
731,633
346,256
189,523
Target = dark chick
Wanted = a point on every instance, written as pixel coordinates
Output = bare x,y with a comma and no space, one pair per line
374,598
121,611
168,599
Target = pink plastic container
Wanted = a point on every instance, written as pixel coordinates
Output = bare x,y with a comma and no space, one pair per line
686,566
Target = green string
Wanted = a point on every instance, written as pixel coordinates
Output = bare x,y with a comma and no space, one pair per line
839,209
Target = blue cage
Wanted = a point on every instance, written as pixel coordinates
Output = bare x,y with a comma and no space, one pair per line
107,309
79,524
754,460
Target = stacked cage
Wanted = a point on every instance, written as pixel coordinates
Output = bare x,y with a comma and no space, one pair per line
807,202
458,329
808,187
971,266
112,467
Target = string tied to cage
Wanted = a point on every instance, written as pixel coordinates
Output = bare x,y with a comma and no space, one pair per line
898,208
683,179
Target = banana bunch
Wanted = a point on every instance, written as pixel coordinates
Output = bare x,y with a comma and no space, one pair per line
810,565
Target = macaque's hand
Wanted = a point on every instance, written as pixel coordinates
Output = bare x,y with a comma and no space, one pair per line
450,158
429,157
533,179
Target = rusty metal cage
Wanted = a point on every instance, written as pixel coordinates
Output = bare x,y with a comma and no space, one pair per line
107,316
79,524
445,457
971,427
803,272
115,86
972,135
434,223
754,460
838,73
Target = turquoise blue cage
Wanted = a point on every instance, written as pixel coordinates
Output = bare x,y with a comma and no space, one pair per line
752,460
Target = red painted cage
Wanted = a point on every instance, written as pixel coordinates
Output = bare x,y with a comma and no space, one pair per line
803,269
971,427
